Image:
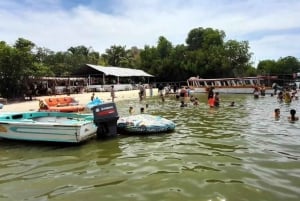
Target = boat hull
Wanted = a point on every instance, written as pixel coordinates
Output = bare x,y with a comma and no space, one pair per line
240,85
236,90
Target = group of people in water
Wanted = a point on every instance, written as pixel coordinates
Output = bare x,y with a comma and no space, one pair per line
287,95
186,98
213,98
291,118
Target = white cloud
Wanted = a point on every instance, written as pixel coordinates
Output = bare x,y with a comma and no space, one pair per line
271,27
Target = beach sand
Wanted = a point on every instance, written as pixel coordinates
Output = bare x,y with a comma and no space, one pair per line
83,99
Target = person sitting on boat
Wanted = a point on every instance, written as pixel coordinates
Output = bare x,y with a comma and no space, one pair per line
293,116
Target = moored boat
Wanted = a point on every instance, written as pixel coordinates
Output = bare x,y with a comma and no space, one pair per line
144,124
242,85
47,126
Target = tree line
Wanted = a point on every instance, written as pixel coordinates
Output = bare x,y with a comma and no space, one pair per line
205,53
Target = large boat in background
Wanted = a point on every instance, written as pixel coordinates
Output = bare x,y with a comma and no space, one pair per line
241,85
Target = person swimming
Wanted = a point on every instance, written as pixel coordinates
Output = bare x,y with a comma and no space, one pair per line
277,113
293,116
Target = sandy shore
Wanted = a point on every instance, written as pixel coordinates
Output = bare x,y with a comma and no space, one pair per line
83,99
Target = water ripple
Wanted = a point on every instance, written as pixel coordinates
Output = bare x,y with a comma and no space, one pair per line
225,153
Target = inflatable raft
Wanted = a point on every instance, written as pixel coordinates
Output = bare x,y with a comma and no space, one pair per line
144,124
60,104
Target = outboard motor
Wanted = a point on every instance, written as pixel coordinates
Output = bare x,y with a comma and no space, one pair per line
105,118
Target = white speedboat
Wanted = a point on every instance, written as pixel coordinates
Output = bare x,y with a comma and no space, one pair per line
47,126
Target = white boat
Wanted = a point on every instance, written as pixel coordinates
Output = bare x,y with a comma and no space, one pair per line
242,85
47,126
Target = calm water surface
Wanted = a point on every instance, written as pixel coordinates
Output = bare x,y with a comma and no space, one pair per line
229,153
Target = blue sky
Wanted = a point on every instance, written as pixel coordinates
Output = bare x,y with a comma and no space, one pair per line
271,26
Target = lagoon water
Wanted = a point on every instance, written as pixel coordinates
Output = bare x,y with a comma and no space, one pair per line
229,153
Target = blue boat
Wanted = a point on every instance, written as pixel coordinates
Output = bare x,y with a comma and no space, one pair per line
47,126
144,124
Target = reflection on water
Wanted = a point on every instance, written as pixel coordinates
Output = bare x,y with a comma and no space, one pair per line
226,153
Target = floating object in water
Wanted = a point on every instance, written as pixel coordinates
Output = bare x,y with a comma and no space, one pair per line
144,124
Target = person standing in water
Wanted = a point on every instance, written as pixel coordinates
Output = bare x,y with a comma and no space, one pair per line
217,100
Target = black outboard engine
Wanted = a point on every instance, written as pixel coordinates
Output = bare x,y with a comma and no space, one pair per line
105,118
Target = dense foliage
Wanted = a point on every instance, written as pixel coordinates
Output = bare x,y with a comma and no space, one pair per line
205,53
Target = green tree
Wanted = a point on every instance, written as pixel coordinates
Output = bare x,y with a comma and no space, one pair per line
200,38
115,55
237,57
285,65
288,65
16,65
267,67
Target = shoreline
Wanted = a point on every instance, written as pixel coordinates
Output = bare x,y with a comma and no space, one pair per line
82,98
